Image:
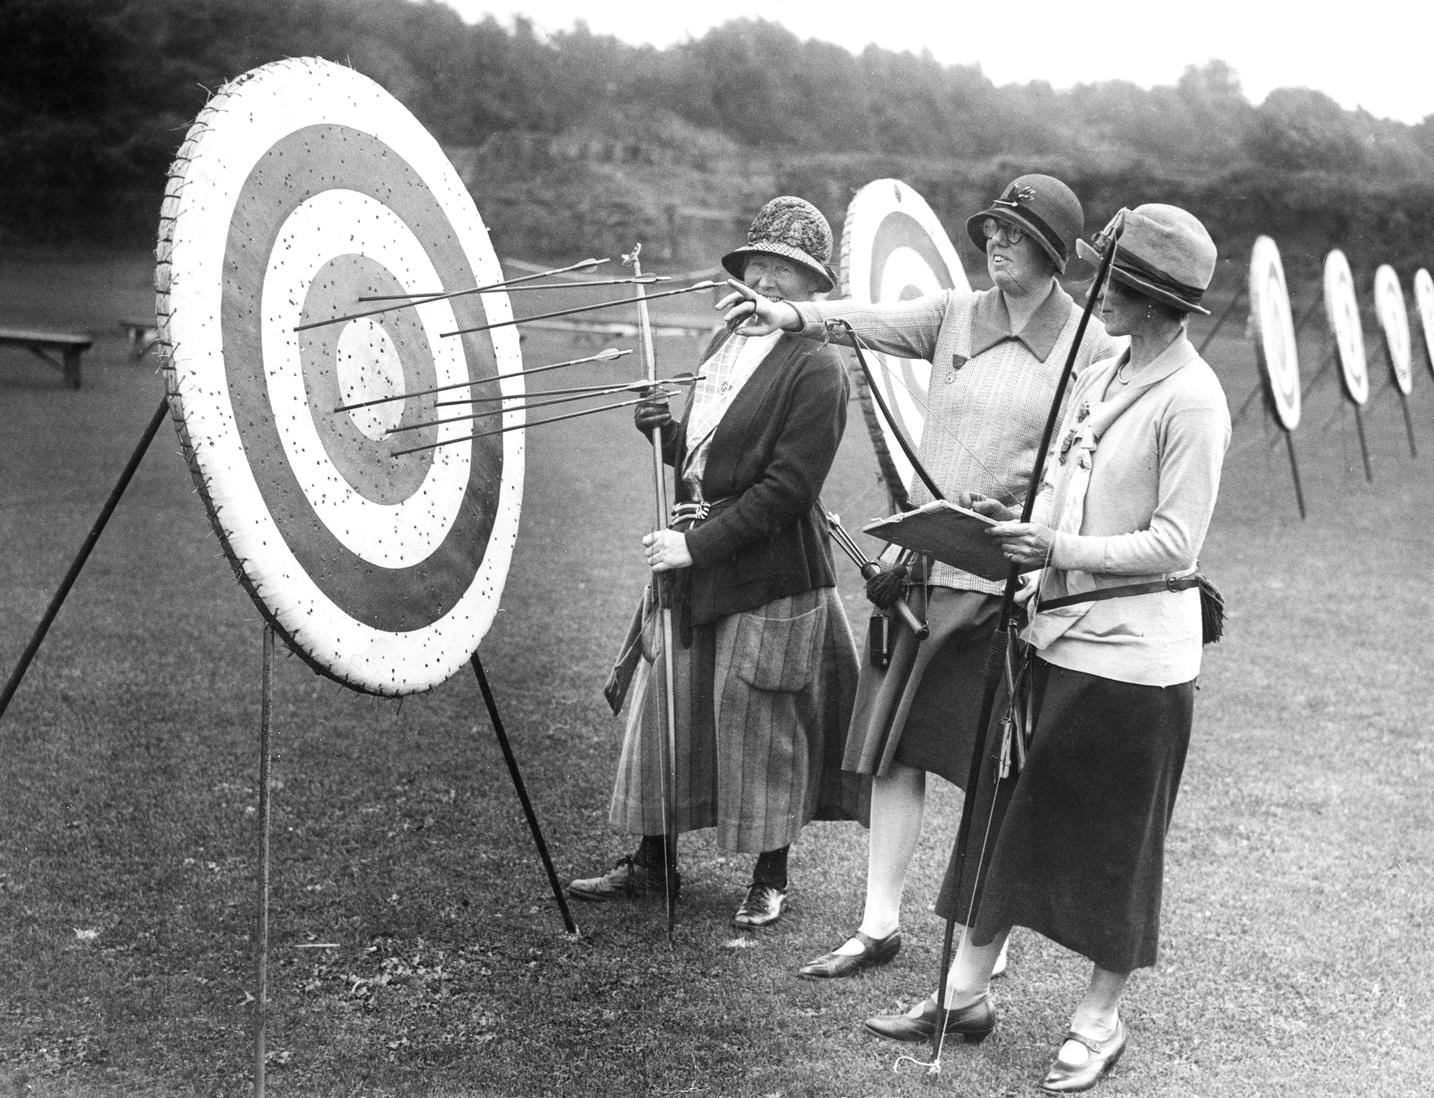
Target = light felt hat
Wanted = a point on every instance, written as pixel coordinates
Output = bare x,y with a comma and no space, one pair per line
794,229
1043,206
1163,252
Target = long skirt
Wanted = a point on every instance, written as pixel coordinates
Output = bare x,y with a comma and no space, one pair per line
763,699
922,708
1077,851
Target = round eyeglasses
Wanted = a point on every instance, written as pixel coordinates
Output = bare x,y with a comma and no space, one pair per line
990,227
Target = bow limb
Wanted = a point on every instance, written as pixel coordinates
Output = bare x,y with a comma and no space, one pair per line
667,739
1000,664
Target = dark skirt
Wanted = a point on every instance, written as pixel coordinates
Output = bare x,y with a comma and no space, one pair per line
922,708
1077,852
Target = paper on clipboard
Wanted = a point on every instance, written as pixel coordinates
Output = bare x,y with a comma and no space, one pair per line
953,535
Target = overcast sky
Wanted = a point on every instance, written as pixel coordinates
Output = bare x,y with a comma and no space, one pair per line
1374,54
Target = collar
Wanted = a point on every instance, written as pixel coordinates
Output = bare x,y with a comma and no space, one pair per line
991,322
1177,354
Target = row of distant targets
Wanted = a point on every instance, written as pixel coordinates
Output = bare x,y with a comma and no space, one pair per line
1276,334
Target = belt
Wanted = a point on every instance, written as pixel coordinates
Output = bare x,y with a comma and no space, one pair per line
1169,583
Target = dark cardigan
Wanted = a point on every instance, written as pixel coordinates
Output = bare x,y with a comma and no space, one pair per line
769,456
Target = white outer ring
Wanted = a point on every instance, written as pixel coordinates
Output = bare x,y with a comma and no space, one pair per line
1275,329
1424,306
1341,308
903,267
1394,320
245,119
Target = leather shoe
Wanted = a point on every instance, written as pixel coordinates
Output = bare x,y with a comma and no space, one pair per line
1067,1078
762,907
833,966
973,1022
626,880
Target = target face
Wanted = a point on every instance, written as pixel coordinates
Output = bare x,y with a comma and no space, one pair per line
894,249
1424,306
1342,309
301,188
1394,319
1275,331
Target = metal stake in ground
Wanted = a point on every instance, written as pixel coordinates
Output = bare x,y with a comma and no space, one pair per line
522,791
93,536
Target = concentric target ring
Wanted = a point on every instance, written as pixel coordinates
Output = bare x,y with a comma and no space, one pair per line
1341,308
1275,330
1394,320
1424,306
894,249
303,187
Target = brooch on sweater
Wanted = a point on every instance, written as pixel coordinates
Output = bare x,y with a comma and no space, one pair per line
957,361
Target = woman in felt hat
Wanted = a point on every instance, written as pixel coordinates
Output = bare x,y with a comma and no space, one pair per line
996,358
766,667
1115,630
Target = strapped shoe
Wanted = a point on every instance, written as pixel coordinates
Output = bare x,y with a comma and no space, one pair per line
834,965
762,907
1067,1078
626,880
973,1023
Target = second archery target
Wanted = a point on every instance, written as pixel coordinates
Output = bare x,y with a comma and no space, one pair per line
1342,311
1275,330
1394,322
303,188
894,249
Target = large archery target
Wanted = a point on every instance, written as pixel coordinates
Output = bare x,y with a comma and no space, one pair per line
302,187
1275,330
1424,306
1341,307
894,249
1394,320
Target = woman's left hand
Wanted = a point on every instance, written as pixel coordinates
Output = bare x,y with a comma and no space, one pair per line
665,550
1026,544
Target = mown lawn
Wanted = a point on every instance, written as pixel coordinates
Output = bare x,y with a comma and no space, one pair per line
416,947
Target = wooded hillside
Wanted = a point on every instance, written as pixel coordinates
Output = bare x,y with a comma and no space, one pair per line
581,141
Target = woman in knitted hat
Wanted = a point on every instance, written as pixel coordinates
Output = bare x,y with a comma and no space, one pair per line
996,358
766,667
1115,625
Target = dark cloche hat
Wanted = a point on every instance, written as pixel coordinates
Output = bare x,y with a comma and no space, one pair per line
1043,206
794,229
1161,251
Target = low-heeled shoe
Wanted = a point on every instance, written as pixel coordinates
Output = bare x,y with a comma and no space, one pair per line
1064,1078
626,880
762,907
973,1023
833,966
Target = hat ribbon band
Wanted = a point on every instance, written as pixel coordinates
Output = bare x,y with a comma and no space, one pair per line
1133,264
1052,237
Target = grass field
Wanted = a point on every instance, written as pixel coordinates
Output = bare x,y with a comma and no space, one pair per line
416,947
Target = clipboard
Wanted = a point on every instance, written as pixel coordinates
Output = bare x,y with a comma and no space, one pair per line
953,535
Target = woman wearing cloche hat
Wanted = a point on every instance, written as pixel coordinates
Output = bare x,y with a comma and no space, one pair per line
1114,625
996,357
765,670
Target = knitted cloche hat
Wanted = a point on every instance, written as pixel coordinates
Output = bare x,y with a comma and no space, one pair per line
794,229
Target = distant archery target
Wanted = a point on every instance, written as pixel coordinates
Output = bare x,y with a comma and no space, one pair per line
894,249
1342,309
1424,306
1394,320
1275,330
302,187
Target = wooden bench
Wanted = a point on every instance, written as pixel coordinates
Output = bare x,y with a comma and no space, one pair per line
69,346
142,335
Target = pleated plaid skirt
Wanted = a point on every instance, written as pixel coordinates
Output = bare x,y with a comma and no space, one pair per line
762,699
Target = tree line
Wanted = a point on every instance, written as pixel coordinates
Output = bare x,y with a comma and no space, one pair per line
95,96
